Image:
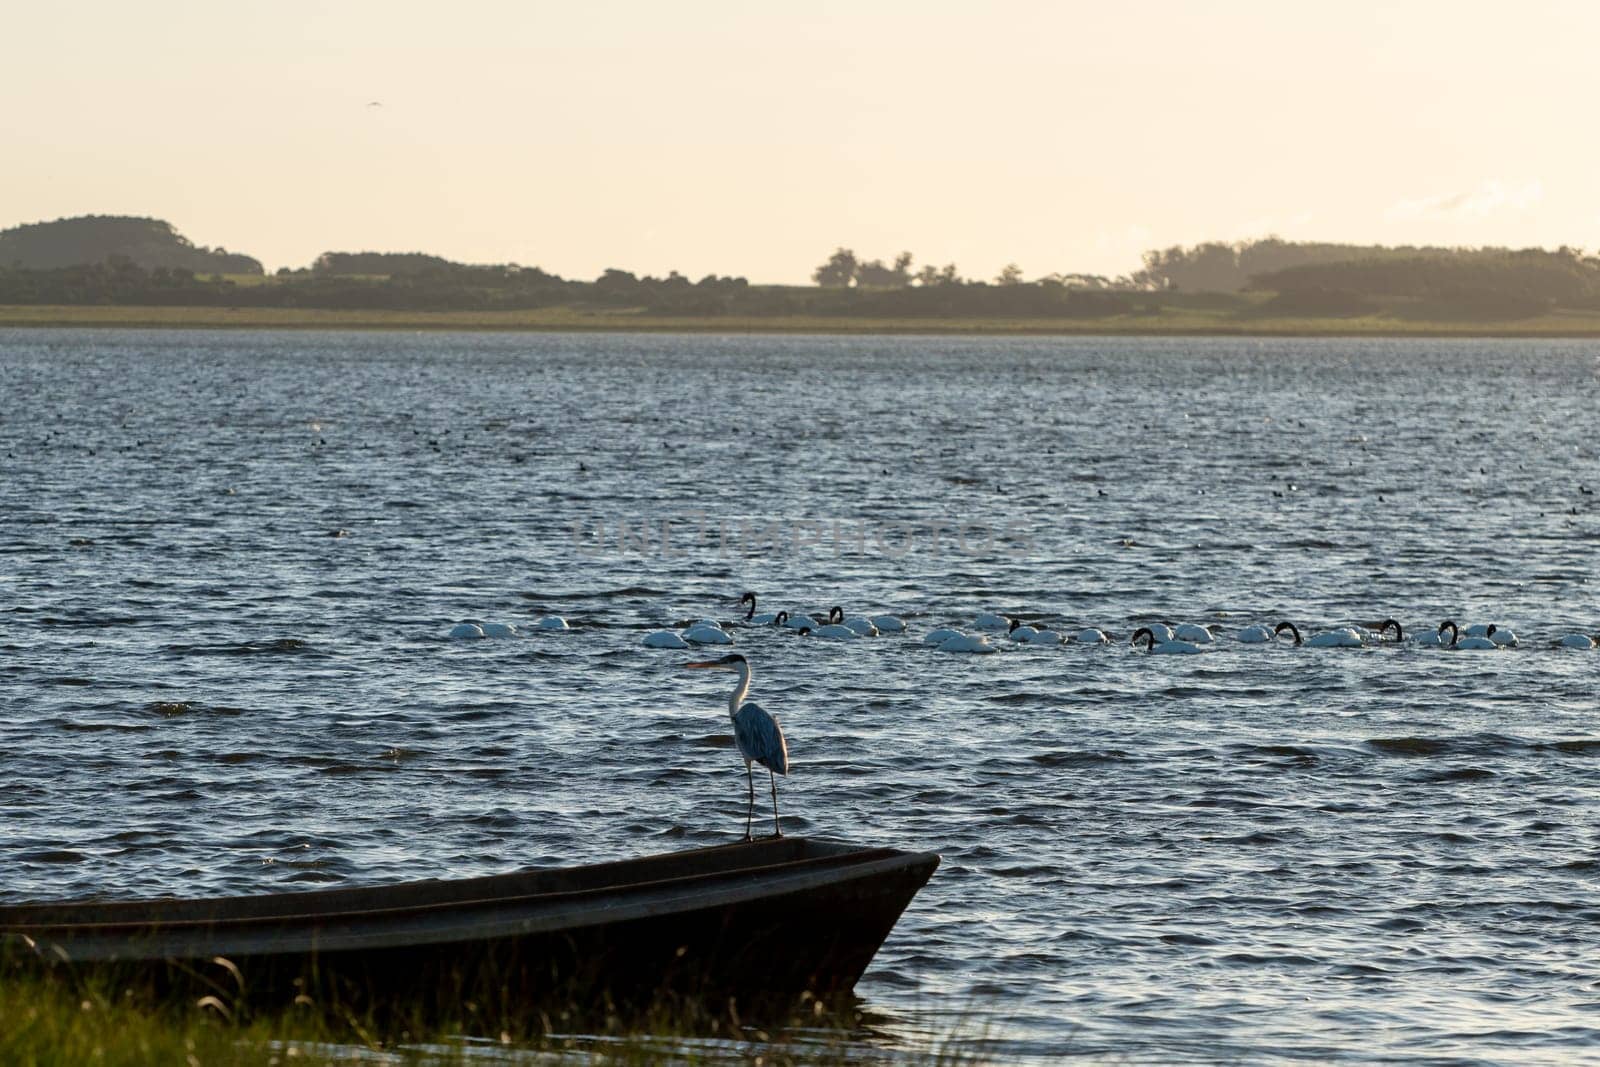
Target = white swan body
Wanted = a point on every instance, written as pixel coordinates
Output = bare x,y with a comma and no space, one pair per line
465,631
1431,639
499,629
1158,647
1162,631
974,643
664,639
1344,637
1482,629
990,621
835,630
889,624
863,627
1036,637
551,622
1192,633
797,619
766,618
940,636
1256,635
1475,644
1091,636
1504,638
1576,641
701,634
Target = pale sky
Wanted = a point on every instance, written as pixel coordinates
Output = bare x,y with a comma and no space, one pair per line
752,138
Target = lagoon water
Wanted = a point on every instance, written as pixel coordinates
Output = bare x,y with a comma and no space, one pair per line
228,562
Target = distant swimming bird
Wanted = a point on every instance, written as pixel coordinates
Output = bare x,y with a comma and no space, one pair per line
797,619
939,636
766,618
1161,631
1192,633
757,735
835,627
664,639
1383,628
499,629
1255,635
1470,643
1502,636
974,643
889,624
465,631
1033,635
1436,638
1576,641
1344,637
707,633
862,627
1172,647
1091,636
551,622
988,620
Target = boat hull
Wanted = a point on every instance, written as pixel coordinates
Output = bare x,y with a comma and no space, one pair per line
768,919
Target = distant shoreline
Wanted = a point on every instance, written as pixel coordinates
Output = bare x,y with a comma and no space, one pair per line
1176,323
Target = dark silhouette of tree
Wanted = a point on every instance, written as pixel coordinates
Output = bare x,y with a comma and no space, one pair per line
838,272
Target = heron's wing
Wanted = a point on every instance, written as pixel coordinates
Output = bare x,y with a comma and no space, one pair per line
760,738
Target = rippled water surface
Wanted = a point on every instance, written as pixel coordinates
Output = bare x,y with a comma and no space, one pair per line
228,563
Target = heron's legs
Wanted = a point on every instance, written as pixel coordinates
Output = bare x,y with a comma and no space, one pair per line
777,831
750,813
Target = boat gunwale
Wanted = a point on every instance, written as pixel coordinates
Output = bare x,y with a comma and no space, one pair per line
860,860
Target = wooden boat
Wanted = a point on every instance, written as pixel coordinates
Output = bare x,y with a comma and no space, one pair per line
776,917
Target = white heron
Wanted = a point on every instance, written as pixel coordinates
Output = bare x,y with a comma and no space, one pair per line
1172,647
1344,637
756,733
664,639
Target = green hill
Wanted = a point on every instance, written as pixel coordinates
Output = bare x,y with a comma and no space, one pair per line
150,243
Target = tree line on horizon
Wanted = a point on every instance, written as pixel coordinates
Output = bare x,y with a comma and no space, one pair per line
1294,278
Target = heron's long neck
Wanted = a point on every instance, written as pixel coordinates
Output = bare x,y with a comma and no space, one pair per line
741,690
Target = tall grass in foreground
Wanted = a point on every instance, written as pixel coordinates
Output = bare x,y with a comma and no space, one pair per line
46,1022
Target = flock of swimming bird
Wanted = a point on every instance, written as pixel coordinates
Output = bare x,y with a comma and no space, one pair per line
1155,638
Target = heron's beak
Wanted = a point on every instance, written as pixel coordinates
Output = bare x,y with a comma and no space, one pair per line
702,664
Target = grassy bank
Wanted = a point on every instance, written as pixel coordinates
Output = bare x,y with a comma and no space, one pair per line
50,1023
1175,319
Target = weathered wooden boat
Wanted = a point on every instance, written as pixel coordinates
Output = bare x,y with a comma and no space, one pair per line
762,919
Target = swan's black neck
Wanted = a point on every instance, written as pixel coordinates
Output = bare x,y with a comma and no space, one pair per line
1399,634
835,615
1146,632
1292,628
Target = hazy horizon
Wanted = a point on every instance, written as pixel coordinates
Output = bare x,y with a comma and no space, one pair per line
721,138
